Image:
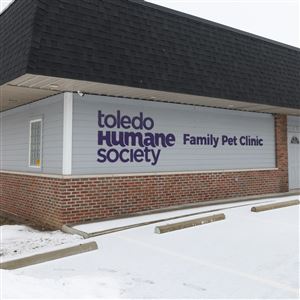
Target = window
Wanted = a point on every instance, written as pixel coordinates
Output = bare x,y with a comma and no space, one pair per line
35,143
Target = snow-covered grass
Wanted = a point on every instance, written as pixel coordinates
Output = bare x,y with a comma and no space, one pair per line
19,241
249,255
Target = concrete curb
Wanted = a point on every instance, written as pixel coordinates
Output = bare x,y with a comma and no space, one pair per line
44,257
86,235
71,230
274,206
187,224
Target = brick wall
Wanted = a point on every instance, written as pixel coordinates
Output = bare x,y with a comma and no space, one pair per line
33,198
54,201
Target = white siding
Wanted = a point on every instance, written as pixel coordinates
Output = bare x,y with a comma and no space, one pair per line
14,126
176,119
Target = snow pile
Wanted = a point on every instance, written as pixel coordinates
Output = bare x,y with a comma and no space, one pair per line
18,241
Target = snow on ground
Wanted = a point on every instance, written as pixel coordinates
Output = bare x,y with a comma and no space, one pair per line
105,225
19,241
249,255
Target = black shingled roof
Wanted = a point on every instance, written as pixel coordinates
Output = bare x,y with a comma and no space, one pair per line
138,44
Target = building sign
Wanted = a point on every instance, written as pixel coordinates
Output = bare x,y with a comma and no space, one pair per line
127,136
134,139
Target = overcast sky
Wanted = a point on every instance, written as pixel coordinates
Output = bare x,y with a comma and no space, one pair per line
275,19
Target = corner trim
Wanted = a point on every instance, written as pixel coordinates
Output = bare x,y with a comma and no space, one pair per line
67,134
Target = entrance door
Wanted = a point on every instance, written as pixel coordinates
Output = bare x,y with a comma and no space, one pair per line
294,152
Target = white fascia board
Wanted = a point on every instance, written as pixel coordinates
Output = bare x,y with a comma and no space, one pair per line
67,134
